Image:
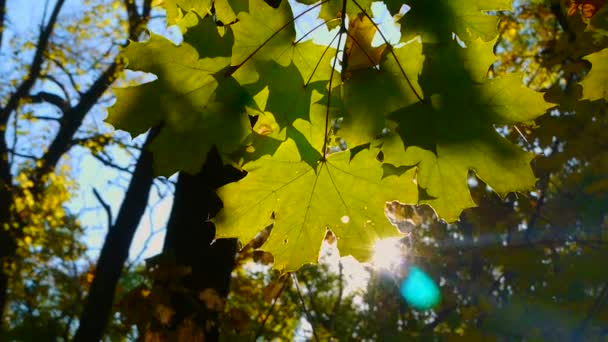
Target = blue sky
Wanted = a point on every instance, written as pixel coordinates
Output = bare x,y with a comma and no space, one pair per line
24,18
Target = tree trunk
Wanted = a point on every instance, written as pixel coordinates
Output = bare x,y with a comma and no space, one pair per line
190,239
115,250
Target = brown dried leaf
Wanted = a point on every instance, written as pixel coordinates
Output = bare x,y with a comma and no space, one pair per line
359,50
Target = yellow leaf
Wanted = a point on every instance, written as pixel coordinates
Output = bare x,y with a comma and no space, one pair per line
359,50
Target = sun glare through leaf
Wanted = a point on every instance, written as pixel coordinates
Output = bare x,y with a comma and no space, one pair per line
388,254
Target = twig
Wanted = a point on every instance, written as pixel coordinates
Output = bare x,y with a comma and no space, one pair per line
18,154
306,312
111,164
105,206
269,311
338,302
597,304
331,78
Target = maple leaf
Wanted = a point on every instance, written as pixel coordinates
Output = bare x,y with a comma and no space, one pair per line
225,10
271,59
343,195
437,20
595,84
436,100
454,132
380,91
197,102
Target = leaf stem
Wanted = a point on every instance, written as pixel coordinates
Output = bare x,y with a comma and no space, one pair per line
234,68
314,29
390,48
320,60
360,47
331,78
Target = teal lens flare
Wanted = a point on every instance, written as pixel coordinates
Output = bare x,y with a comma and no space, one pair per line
419,290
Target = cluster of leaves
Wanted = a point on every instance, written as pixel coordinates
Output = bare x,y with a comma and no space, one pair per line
410,120
46,280
519,267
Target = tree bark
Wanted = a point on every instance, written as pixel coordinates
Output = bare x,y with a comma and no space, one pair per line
115,250
191,240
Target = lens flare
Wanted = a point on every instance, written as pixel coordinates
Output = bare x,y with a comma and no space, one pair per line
420,290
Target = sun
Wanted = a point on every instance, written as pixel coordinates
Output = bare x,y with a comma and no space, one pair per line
388,254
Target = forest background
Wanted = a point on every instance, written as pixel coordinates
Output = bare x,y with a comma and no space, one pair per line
82,209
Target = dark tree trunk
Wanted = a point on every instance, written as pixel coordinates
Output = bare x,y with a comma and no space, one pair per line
115,250
190,240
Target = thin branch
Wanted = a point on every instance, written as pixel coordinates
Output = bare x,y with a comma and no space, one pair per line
19,154
338,303
44,12
46,118
595,308
306,312
105,206
269,311
60,85
67,73
51,98
107,162
36,66
2,15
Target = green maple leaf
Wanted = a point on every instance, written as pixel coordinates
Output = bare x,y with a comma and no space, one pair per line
435,98
454,132
436,20
175,8
266,50
595,84
264,33
344,195
193,96
225,10
380,91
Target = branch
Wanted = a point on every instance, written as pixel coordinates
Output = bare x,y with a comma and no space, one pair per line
67,73
36,67
269,311
306,312
75,115
61,86
2,14
105,206
73,119
44,117
111,164
595,308
51,98
18,154
338,302
115,251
